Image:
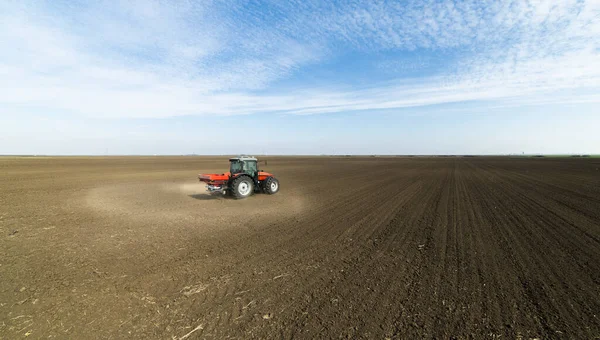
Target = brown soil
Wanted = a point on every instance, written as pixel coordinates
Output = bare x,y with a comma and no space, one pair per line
133,247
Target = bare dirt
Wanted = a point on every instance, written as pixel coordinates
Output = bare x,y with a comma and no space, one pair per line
400,248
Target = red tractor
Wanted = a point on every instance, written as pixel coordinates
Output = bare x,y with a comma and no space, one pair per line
242,180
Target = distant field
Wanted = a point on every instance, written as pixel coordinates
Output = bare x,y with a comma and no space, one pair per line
357,247
561,156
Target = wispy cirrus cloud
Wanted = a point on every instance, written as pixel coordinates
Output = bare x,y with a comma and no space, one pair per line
154,59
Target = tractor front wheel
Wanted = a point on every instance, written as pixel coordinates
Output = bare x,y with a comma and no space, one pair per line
242,187
271,185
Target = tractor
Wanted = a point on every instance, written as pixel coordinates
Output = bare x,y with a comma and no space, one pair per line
242,180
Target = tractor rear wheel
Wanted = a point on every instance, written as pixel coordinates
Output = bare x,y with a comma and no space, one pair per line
242,187
271,185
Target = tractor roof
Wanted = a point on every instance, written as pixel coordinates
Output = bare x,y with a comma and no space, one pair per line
243,158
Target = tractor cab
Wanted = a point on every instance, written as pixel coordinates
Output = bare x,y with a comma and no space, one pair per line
244,164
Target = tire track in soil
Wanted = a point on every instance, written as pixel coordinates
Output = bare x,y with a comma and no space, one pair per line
482,277
512,245
524,229
583,205
559,227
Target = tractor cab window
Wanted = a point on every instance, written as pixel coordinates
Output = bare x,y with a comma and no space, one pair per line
250,168
236,166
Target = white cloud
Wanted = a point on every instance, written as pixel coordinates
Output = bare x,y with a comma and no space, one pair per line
162,59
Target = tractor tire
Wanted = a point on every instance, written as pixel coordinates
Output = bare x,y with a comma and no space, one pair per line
271,185
242,187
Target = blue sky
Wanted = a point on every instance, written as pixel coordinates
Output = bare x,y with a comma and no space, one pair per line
299,77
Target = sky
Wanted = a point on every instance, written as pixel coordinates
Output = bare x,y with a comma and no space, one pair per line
299,77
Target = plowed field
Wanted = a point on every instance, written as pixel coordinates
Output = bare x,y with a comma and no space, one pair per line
401,248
